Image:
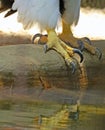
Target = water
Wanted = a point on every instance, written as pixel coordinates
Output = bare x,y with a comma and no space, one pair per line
58,111
34,115
49,101
36,108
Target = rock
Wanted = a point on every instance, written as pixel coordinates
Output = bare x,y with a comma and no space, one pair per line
27,70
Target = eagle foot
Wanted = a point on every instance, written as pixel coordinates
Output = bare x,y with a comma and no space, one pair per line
81,44
69,63
90,48
70,52
52,42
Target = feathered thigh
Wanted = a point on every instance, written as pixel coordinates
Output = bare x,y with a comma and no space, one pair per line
72,10
45,13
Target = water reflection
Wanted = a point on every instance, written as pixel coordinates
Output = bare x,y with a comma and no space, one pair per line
59,119
83,80
34,115
22,108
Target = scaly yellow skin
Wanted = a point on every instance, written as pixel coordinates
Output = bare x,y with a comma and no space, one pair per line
53,42
67,36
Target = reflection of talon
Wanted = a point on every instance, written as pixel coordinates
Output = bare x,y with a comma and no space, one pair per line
74,114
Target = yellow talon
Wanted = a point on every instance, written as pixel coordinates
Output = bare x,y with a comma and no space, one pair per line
67,37
64,50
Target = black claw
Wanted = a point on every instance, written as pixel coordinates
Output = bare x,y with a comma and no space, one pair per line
36,36
98,53
81,45
10,12
73,66
88,40
79,53
46,48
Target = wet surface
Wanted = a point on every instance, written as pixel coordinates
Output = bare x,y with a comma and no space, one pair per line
48,99
48,116
48,107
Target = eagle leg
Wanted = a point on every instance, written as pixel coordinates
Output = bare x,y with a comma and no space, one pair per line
82,44
54,43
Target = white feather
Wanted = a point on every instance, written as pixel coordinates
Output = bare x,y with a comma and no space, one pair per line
45,13
72,9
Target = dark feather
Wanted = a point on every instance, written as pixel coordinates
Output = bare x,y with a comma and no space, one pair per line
10,12
62,6
5,4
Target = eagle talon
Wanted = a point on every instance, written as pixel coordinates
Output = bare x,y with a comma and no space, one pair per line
98,53
36,36
88,40
46,48
73,66
79,53
81,44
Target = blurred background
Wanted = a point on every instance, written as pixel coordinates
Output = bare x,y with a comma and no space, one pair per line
84,3
94,3
91,22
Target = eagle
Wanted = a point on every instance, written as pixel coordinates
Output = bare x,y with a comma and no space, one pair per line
47,14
